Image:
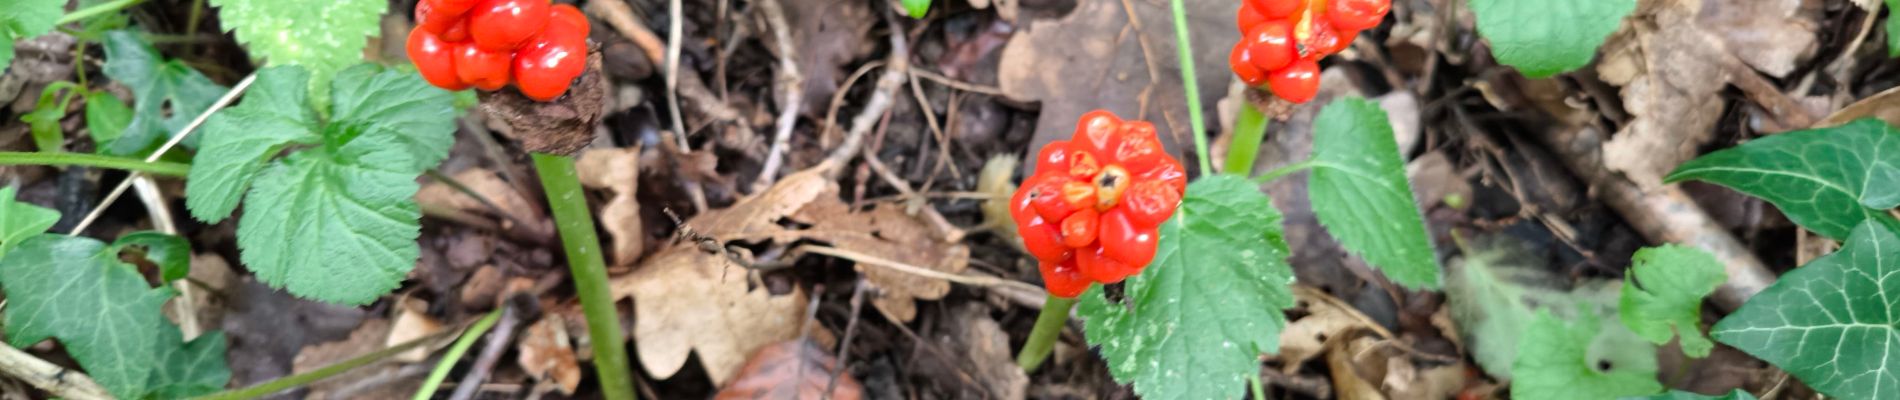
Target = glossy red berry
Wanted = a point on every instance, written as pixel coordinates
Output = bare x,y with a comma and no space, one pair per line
548,64
1270,45
1064,279
481,68
435,59
1126,242
1248,16
1357,15
1090,211
451,7
503,25
1324,40
1243,66
569,17
434,21
1297,83
1277,9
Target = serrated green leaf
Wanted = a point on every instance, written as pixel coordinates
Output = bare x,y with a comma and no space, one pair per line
1554,363
916,8
239,140
171,253
1828,180
324,36
189,369
74,289
338,222
1830,322
43,121
1738,394
1207,306
20,19
1360,194
1493,288
106,117
1662,295
159,87
19,220
1546,37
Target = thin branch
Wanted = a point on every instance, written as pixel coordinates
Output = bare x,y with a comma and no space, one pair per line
491,353
54,379
887,84
180,137
792,86
867,259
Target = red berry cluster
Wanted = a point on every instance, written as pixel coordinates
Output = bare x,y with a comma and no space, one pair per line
1282,40
1090,212
488,43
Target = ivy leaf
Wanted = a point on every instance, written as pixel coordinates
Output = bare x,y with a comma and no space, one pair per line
1830,322
1208,305
238,141
1827,180
336,222
74,289
1358,186
1673,280
106,117
324,36
1553,362
1546,37
189,369
19,220
159,86
20,19
1738,394
171,253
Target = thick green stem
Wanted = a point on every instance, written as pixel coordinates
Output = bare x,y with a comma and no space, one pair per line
1188,84
90,12
160,168
1249,129
1042,339
576,225
461,346
286,383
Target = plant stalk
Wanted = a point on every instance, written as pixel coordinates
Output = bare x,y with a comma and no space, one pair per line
286,383
161,168
1042,339
449,359
1189,85
1250,128
576,226
89,12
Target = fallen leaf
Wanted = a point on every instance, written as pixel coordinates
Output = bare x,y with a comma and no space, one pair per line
1884,105
411,323
1326,318
1405,380
886,232
1347,382
1769,35
828,34
490,186
618,170
1669,72
367,338
544,353
682,286
1096,58
482,287
791,370
982,347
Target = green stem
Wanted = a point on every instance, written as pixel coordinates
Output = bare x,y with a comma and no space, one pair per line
1188,84
1042,339
1289,169
1260,393
93,11
576,226
1249,129
461,346
293,381
160,168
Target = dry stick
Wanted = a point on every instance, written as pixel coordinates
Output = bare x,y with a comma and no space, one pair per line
498,340
54,379
850,330
620,17
867,259
193,126
887,84
837,100
673,71
793,87
956,84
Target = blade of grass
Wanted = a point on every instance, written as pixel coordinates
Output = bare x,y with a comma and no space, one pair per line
1189,85
449,359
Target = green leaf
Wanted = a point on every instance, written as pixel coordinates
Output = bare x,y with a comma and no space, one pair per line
1493,288
238,141
336,222
324,36
1827,180
1546,37
160,88
916,8
20,19
1830,322
1359,192
19,220
43,121
171,253
1738,394
189,369
1662,295
1553,362
74,289
106,117
1208,305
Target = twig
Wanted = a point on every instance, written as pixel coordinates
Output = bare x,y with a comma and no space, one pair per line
792,84
355,389
184,306
936,129
54,379
674,16
485,363
880,102
867,259
956,84
837,100
951,233
850,331
620,17
193,126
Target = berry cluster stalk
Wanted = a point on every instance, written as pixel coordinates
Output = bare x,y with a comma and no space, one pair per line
576,226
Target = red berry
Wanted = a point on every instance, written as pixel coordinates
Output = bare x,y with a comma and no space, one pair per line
568,16
483,69
1097,133
1044,241
457,33
1270,45
548,63
435,59
1079,229
450,7
1277,9
1149,203
1248,16
1064,279
1126,242
1297,83
1098,266
1243,67
1357,15
1054,158
432,20
1326,40
504,25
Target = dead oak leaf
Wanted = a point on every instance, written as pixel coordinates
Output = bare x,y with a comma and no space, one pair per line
1326,318
793,370
544,353
617,170
886,232
1669,71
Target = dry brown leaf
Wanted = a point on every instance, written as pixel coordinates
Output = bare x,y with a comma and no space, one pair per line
791,370
490,186
412,322
1095,58
983,349
691,302
886,232
1348,382
483,287
828,34
1769,35
617,170
544,353
1669,71
1884,105
1326,319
